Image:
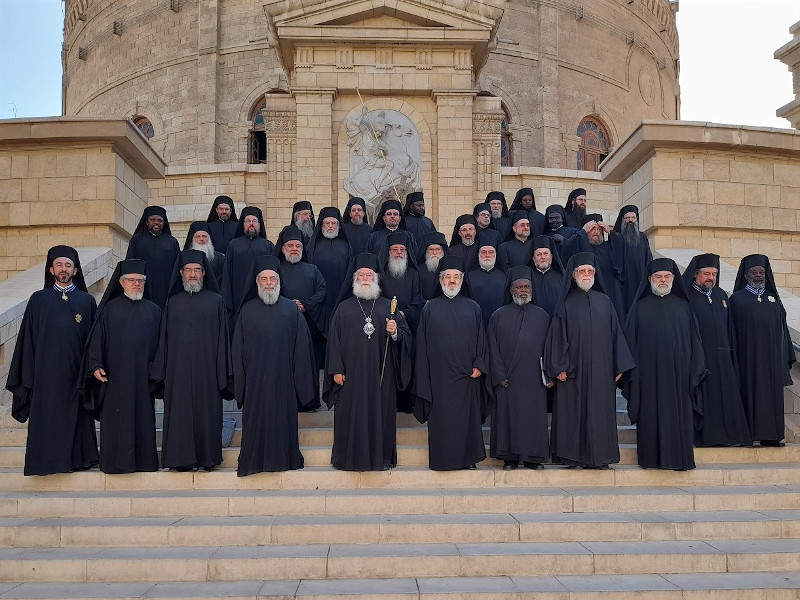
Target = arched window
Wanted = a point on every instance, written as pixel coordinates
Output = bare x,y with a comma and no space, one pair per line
145,126
506,158
257,151
594,143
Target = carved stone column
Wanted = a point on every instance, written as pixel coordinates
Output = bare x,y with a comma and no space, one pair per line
487,117
281,129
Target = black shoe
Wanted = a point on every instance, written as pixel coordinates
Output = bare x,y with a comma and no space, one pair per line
209,469
470,468
772,443
532,465
510,465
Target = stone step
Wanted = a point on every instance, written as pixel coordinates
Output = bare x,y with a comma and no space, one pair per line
67,532
677,586
353,561
142,500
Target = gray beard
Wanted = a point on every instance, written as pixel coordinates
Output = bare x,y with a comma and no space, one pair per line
544,268
207,249
585,286
705,287
487,265
356,220
452,294
630,231
269,297
192,287
468,243
659,293
330,235
371,294
135,296
291,259
398,267
305,226
251,234
596,242
432,263
520,300
496,214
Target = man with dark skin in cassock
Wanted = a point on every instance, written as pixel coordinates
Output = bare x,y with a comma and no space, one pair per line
500,218
517,249
61,433
400,278
763,348
724,422
250,241
487,283
663,390
199,238
587,352
526,202
416,221
304,285
610,255
273,372
516,337
193,363
637,252
575,208
367,364
448,373
390,218
222,222
153,243
303,219
117,362
463,242
355,226
555,228
547,274
435,247
485,227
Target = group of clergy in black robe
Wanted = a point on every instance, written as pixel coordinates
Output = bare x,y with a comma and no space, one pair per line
490,324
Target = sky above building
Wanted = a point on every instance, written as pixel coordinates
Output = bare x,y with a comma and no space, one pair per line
728,73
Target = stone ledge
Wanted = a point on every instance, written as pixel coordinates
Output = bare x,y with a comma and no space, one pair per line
546,172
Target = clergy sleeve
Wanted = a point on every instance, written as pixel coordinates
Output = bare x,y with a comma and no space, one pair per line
401,352
497,368
556,349
304,364
224,363
421,388
239,366
334,362
21,374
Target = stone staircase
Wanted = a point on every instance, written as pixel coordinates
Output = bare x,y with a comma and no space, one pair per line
728,529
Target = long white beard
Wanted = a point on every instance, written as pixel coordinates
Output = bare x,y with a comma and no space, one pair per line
451,294
192,287
305,226
330,235
432,263
369,294
520,300
207,249
658,292
468,242
135,296
585,286
291,258
398,267
269,297
487,264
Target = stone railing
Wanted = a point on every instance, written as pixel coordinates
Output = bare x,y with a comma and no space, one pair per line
14,295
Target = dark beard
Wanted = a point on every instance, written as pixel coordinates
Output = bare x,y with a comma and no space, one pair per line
251,234
579,212
630,231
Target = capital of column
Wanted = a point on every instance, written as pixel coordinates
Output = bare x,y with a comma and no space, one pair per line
444,96
304,92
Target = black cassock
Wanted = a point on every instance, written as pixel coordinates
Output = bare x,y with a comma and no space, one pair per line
488,290
468,253
636,260
123,342
357,235
516,339
546,288
222,232
663,390
514,253
764,355
241,253
273,372
450,343
193,362
610,257
331,258
590,347
160,253
409,294
365,413
503,226
489,236
428,281
724,420
418,227
44,372
217,265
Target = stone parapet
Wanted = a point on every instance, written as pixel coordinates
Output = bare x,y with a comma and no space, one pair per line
789,54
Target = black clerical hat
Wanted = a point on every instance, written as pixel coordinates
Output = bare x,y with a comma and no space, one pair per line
365,260
251,211
290,233
303,205
329,212
756,260
568,283
451,261
149,212
521,193
129,266
545,241
213,216
187,257
514,274
265,262
461,221
350,203
194,228
64,252
654,266
497,195
410,199
389,205
629,208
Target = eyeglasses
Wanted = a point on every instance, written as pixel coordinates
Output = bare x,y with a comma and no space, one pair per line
135,280
191,270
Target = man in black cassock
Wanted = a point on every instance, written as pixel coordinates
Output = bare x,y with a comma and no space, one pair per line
400,278
555,228
637,252
448,372
193,363
355,226
45,370
199,238
303,219
390,218
525,201
367,364
116,364
485,227
516,336
500,219
273,372
222,222
547,273
610,256
463,241
663,390
724,422
416,221
763,348
575,208
516,250
487,283
249,242
153,243
304,285
587,352
434,246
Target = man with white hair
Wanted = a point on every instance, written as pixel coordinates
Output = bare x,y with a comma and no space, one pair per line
368,362
273,372
400,278
449,372
434,246
487,283
303,219
663,391
199,238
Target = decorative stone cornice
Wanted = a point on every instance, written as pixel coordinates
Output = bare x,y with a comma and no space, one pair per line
280,122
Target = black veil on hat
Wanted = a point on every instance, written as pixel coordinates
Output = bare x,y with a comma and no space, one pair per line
432,238
700,261
545,241
480,207
393,239
350,203
129,266
263,262
389,205
192,256
194,228
410,199
365,260
213,216
326,213
246,212
463,220
288,234
453,261
571,198
756,260
497,195
303,205
622,212
516,215
655,265
64,252
514,273
517,204
149,212
567,282
556,208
